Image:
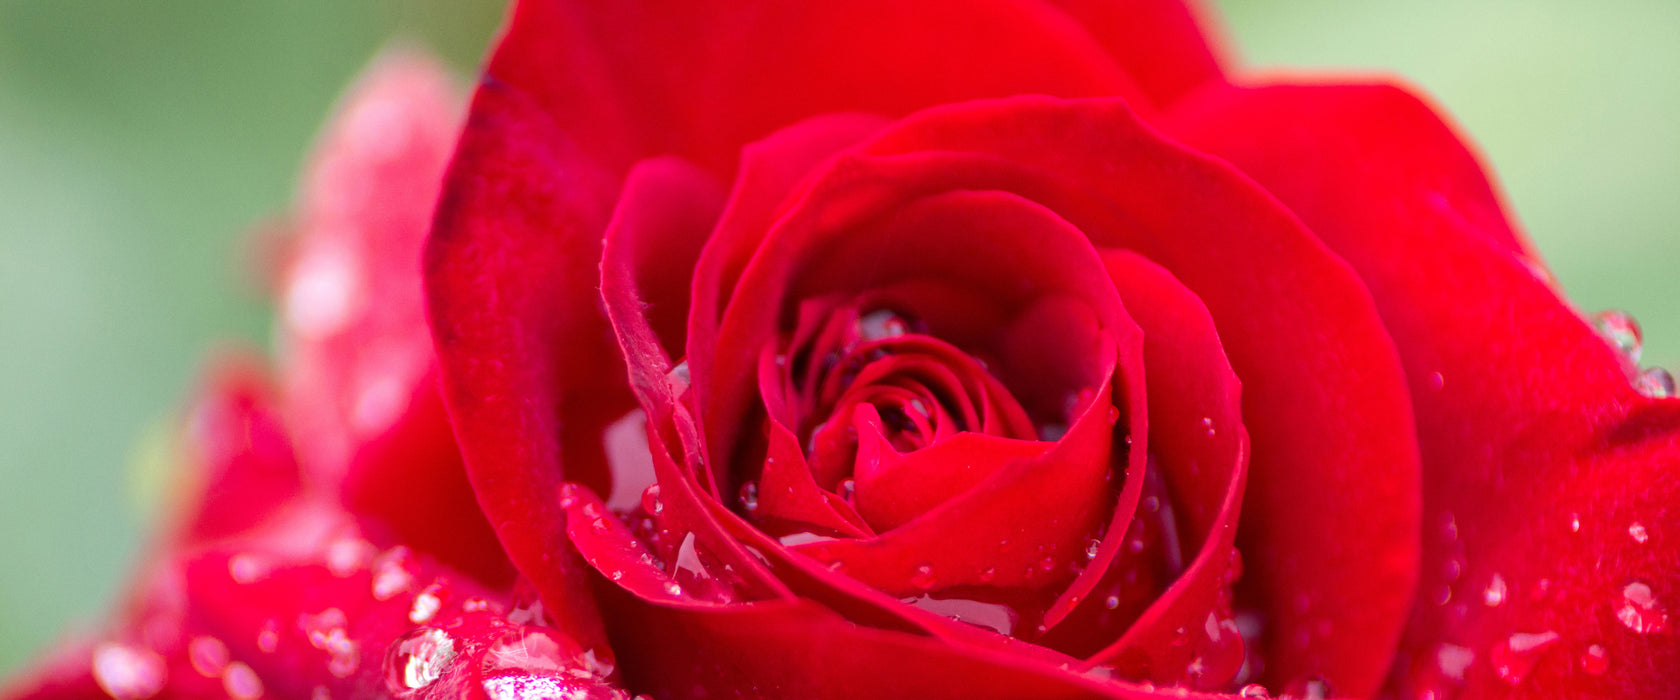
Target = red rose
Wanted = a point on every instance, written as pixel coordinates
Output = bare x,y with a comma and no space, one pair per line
935,315
884,349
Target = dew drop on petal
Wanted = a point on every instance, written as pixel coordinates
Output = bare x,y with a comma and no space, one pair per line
1638,533
1575,522
347,555
1621,332
881,324
846,489
1254,690
678,378
1595,660
268,637
392,573
418,659
1656,383
749,497
650,501
427,603
241,683
1515,657
1453,660
922,577
673,588
128,673
1495,593
1207,425
1310,688
247,568
1638,609
208,655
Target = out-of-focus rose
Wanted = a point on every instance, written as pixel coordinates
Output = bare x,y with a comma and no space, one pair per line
980,349
325,543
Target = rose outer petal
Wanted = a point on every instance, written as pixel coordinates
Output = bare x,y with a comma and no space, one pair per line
699,80
1526,419
529,372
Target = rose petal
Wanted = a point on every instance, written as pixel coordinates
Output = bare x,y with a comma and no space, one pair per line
1164,45
529,372
1204,471
796,649
1525,416
699,80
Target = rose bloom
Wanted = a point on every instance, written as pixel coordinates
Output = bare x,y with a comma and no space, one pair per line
885,349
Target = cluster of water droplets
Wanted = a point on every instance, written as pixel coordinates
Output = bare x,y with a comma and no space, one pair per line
509,661
1514,656
1622,333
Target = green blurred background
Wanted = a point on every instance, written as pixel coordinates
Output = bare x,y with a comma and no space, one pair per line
140,141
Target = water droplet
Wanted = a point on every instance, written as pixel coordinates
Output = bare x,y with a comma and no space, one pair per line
347,555
677,379
326,632
673,588
749,497
1113,415
475,605
209,656
1638,533
247,568
650,501
1640,610
1051,432
846,489
922,578
996,617
1310,688
1656,383
1621,332
268,637
1207,424
1437,381
527,609
1574,522
241,683
1134,544
320,693
1595,660
1494,595
1151,504
1516,656
128,673
987,574
393,573
530,650
1111,602
418,659
1254,690
1092,549
519,686
568,493
880,324
323,292
427,603
1453,660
